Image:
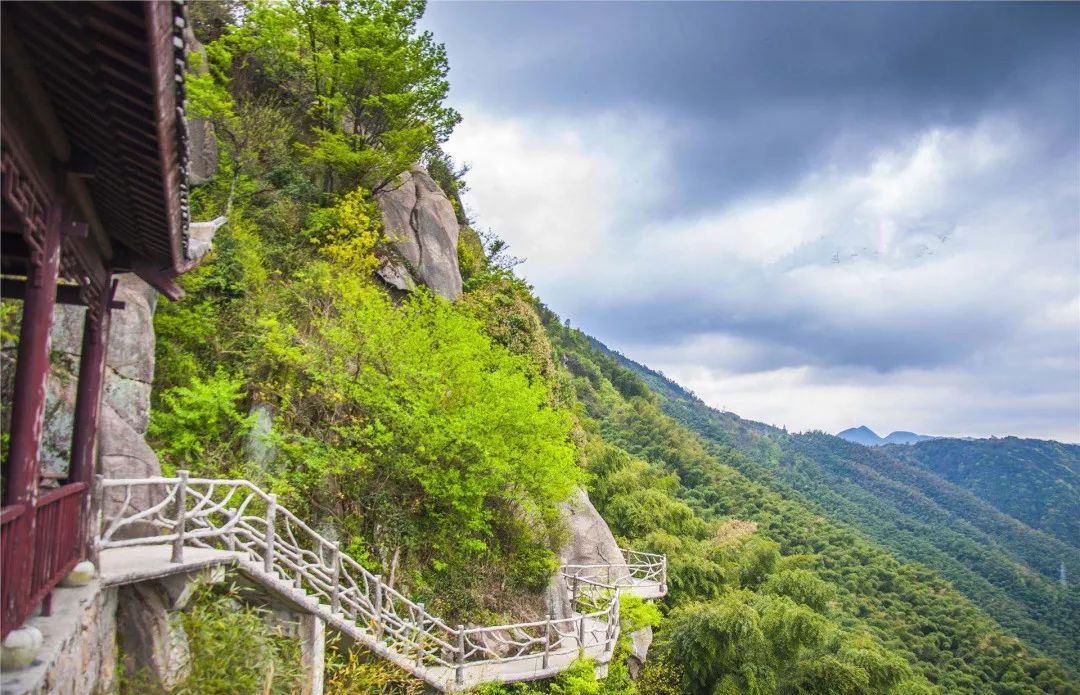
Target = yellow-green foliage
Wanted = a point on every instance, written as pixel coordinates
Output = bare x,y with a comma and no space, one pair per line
470,253
505,307
199,425
431,437
636,613
352,672
348,232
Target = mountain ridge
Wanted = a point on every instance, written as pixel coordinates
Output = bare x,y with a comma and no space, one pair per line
867,437
1005,566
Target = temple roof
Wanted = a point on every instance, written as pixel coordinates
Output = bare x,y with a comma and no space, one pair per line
112,73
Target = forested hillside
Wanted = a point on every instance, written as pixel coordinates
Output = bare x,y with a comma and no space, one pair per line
434,439
1004,566
1035,481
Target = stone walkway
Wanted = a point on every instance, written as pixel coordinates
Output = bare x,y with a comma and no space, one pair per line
121,566
217,523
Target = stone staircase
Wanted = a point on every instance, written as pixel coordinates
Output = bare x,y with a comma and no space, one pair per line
153,527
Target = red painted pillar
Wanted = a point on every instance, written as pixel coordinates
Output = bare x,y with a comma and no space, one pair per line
28,401
87,406
88,397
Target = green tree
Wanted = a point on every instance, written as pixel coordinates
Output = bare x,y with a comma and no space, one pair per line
354,74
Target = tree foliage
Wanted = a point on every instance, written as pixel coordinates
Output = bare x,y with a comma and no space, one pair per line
434,441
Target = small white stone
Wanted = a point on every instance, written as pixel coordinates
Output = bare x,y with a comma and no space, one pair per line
20,647
82,574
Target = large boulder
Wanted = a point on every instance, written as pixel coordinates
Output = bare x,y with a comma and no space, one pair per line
124,453
129,370
591,541
125,406
129,362
419,221
640,641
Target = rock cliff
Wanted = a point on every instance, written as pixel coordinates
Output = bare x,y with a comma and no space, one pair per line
592,543
420,223
129,373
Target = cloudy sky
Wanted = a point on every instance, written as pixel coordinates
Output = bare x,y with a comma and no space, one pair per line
813,215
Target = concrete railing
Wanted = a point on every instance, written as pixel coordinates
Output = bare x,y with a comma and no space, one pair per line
285,553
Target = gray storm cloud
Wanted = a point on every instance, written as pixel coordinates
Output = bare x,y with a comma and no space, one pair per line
807,211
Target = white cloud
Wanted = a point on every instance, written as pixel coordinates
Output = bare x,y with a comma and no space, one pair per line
935,289
558,193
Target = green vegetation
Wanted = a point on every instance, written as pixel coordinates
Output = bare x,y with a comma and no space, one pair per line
1008,569
1035,481
912,611
231,649
435,440
409,430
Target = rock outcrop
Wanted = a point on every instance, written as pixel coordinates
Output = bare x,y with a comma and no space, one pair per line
129,371
125,406
202,144
152,638
640,641
592,543
420,223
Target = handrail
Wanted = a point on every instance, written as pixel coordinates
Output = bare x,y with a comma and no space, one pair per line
274,543
11,512
60,493
641,569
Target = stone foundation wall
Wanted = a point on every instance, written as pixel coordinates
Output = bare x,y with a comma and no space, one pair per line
79,653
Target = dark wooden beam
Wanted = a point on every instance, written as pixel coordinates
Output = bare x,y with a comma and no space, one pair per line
162,280
15,288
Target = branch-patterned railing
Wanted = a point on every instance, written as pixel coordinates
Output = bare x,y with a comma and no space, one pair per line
274,544
642,571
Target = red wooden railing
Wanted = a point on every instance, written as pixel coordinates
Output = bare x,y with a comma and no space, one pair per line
12,582
54,548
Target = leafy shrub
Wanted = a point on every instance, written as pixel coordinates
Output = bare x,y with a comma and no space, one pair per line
350,672
433,440
200,425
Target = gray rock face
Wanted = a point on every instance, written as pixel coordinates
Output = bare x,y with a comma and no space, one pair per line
202,151
202,145
129,370
420,222
131,330
591,541
124,453
125,408
557,599
396,275
640,643
153,640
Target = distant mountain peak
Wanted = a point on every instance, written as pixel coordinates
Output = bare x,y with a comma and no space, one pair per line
867,437
902,437
861,435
